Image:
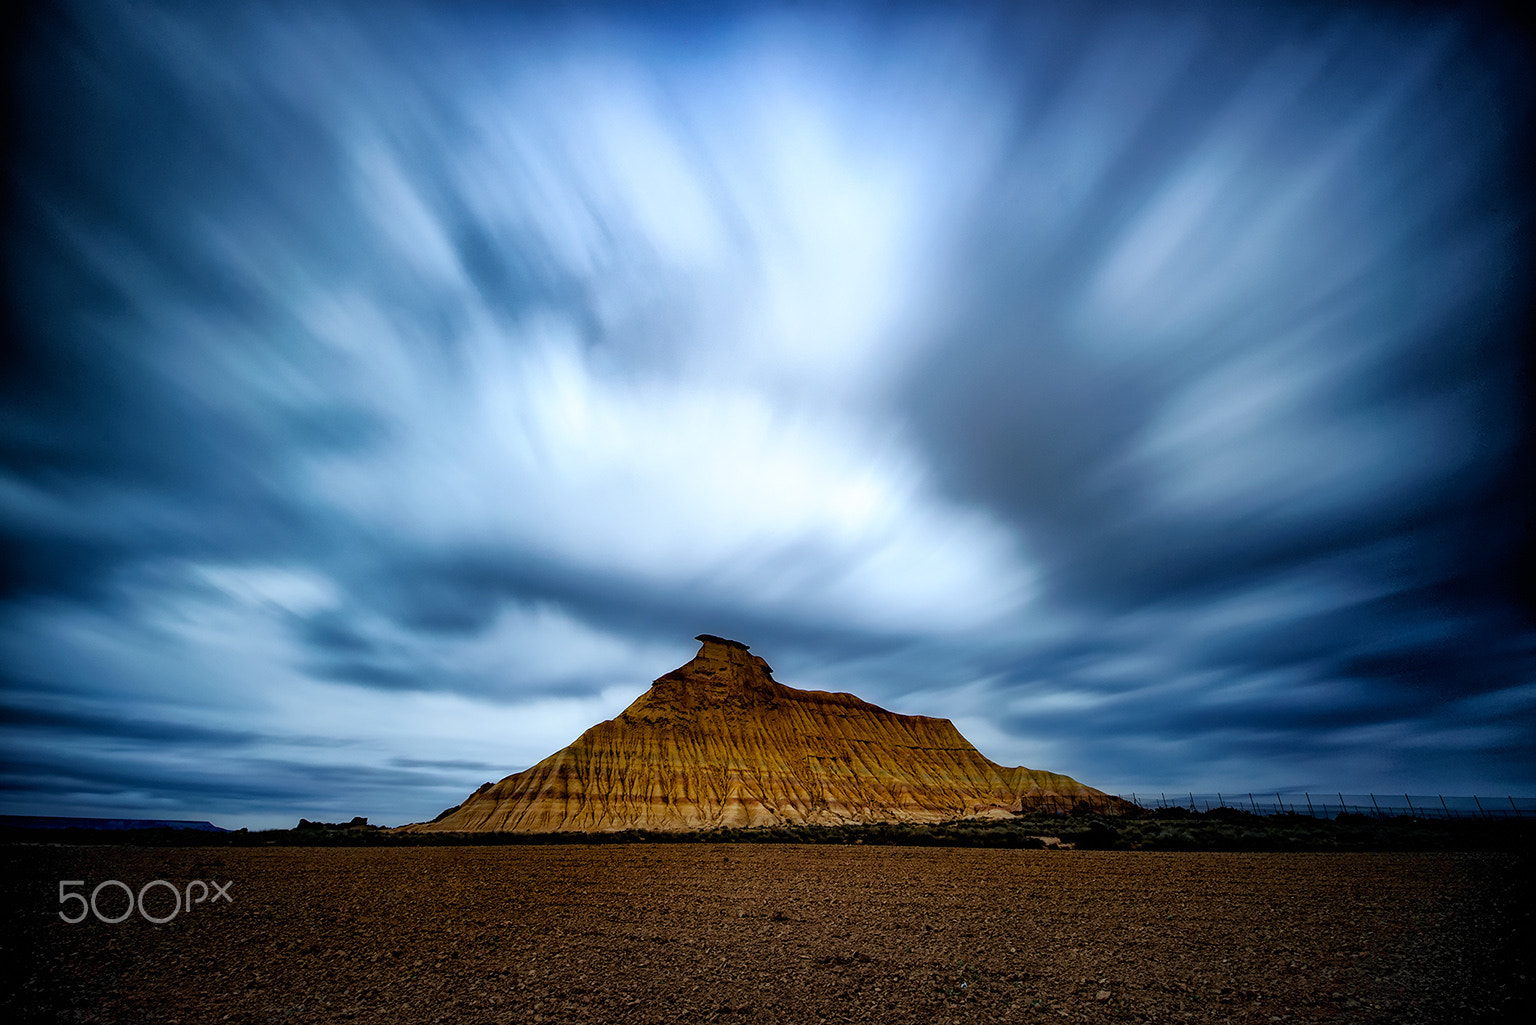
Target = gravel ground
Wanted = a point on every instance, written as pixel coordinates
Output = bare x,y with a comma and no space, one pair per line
748,933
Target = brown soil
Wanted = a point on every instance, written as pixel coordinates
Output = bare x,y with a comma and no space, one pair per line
748,933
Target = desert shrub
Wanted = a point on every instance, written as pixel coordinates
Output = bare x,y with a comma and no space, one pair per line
1177,840
1173,812
1097,835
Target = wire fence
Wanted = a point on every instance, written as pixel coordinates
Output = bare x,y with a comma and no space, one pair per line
1328,806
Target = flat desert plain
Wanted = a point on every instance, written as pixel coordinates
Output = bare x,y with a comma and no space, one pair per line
767,933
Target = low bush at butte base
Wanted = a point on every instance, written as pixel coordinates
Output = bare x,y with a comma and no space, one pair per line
1172,830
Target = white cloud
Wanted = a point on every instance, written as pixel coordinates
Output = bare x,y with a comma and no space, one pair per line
733,451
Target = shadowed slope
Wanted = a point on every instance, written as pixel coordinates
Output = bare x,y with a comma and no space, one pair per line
719,742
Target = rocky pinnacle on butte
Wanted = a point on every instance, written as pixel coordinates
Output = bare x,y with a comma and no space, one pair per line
719,742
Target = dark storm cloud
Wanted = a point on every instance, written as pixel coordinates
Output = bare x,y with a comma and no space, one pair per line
1279,274
1143,387
88,726
1271,330
460,594
247,789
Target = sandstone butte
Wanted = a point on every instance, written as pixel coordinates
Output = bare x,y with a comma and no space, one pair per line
719,742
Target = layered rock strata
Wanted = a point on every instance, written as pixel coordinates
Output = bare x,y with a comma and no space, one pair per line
719,742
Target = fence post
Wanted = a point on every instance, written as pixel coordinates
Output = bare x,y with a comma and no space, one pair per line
1279,803
1512,804
1480,812
1221,802
1411,813
1192,801
1254,803
1376,806
1444,805
1309,806
1341,804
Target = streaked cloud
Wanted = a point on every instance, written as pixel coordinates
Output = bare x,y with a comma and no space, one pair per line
394,398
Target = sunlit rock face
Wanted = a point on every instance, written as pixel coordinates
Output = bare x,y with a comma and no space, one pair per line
719,742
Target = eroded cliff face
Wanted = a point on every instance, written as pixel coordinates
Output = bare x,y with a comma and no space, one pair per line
719,742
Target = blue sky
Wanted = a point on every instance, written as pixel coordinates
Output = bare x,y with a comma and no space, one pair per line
394,394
